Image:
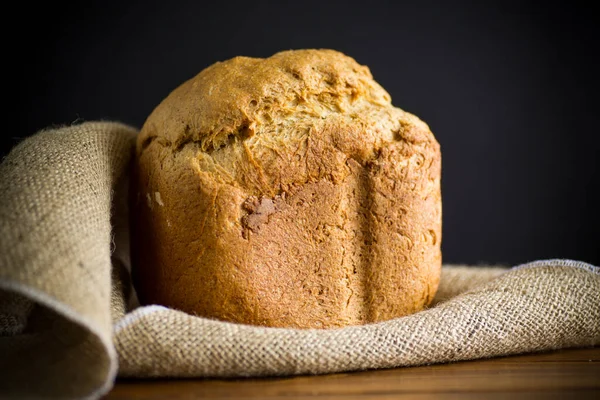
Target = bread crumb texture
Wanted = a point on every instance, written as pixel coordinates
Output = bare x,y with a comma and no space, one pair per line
286,192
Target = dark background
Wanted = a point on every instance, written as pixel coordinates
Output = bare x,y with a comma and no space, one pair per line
510,89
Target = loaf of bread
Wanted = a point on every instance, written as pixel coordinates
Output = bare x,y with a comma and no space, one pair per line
286,192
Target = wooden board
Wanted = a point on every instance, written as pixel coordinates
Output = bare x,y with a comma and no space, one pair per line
560,374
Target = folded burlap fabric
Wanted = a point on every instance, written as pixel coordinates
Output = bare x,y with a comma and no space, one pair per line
64,294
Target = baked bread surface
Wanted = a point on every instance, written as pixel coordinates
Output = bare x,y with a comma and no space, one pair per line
286,192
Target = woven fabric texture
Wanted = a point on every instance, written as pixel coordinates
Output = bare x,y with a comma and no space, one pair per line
68,320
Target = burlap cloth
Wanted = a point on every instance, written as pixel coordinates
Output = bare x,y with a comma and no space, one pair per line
64,291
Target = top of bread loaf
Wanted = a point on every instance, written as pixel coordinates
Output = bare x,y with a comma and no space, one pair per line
274,106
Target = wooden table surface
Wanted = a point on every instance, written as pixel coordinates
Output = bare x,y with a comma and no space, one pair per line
562,374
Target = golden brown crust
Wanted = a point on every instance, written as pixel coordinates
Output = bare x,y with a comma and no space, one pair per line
286,192
238,96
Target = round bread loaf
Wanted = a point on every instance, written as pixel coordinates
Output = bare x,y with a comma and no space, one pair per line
286,192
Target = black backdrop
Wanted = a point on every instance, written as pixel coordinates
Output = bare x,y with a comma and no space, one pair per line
510,90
